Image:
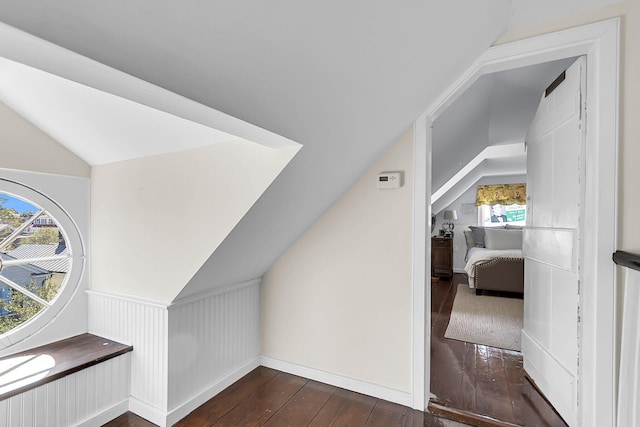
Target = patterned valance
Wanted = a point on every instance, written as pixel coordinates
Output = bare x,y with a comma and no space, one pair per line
503,194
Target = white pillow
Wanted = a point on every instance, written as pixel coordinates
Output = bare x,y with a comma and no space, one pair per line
500,238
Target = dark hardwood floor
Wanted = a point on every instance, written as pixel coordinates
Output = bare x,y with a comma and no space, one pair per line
266,397
468,378
475,384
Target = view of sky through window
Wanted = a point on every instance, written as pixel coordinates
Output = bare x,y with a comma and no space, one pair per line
34,260
20,206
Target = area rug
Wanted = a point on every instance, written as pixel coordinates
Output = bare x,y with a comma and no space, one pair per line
488,320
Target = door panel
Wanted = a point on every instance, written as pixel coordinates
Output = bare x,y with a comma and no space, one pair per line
566,203
564,340
537,303
553,246
555,146
541,364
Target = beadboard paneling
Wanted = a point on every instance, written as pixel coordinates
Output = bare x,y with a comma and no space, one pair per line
185,352
142,324
89,397
210,338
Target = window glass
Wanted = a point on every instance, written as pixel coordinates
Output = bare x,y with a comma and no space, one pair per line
35,258
500,215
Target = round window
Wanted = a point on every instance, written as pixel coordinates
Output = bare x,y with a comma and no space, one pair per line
41,261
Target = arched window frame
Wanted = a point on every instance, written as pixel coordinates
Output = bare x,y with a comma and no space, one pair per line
75,247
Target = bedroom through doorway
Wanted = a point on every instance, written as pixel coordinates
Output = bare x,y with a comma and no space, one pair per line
479,205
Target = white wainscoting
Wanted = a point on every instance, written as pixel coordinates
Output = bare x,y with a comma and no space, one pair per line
89,397
214,340
183,353
144,325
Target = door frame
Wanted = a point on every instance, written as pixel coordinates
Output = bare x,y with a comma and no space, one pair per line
599,42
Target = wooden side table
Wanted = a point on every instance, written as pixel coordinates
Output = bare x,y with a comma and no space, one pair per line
441,257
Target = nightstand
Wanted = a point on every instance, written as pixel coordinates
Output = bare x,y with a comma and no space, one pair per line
441,257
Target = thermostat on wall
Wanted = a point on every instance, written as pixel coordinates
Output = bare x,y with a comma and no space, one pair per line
389,180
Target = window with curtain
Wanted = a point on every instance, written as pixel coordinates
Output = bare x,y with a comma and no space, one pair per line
501,204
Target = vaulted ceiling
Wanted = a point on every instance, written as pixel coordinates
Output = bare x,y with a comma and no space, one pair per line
344,79
495,111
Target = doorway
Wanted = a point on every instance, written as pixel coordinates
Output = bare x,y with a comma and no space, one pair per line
507,105
599,43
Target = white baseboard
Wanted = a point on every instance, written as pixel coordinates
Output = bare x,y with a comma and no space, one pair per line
105,416
187,407
381,392
163,420
148,412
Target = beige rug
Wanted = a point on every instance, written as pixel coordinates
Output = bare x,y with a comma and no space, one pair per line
488,320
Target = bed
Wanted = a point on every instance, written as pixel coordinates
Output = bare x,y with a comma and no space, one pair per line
494,259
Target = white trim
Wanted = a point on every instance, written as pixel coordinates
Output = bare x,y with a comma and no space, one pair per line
421,255
214,292
129,298
107,415
187,407
629,387
166,305
597,383
24,48
544,48
600,43
388,394
76,247
148,412
491,152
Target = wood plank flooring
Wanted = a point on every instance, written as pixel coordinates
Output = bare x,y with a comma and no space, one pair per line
477,379
266,397
476,384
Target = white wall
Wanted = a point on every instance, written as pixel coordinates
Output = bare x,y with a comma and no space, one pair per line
525,12
465,220
156,220
339,300
26,147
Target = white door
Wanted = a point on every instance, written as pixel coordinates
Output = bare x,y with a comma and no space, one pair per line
555,185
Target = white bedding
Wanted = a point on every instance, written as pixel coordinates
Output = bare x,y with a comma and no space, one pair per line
476,255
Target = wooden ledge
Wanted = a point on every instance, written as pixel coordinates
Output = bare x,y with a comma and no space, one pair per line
32,368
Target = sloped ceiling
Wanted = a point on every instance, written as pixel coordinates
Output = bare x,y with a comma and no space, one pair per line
344,79
496,110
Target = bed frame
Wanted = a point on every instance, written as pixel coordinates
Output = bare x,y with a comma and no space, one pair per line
500,274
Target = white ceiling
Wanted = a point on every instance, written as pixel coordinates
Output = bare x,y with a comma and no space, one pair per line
344,79
329,73
74,114
496,110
